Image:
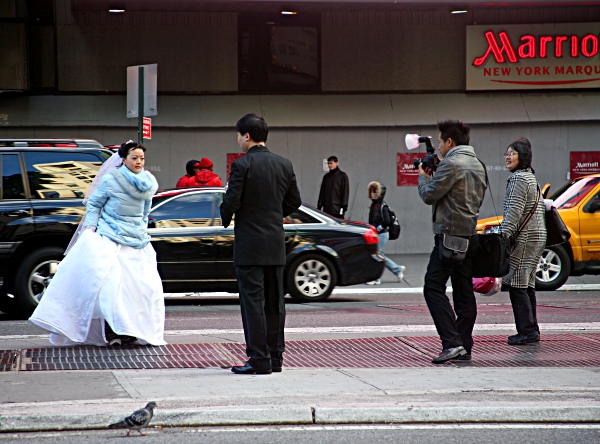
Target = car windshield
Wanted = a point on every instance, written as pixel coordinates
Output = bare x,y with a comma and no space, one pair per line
572,193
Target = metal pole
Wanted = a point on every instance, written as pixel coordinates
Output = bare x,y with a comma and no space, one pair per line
141,104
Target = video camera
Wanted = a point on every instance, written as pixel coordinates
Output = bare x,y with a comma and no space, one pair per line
431,160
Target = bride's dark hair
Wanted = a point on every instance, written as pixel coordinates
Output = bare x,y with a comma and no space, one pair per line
128,146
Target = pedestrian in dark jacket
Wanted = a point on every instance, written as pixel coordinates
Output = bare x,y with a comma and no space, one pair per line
191,167
335,189
379,217
205,177
455,191
262,191
522,193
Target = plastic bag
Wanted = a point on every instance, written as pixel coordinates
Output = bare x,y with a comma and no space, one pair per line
488,286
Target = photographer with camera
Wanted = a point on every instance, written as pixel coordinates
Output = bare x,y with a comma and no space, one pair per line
455,188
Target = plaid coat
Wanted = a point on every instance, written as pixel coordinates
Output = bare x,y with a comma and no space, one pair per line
521,193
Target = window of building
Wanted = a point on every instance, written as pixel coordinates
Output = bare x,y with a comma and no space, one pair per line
279,53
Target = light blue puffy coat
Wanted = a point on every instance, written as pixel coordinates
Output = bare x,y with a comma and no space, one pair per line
120,206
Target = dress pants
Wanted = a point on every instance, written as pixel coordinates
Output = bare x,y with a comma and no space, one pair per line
455,327
524,308
263,313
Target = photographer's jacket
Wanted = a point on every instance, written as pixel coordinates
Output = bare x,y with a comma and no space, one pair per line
455,192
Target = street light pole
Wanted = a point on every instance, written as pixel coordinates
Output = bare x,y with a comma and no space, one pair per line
141,104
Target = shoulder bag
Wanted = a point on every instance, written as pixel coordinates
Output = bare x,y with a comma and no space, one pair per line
556,231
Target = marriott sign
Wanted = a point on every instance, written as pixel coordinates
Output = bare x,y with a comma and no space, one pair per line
564,55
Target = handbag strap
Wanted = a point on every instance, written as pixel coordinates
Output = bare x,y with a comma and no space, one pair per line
537,200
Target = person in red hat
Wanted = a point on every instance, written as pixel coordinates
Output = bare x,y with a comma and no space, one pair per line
191,168
204,176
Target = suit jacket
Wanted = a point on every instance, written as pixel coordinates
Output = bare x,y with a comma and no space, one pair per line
262,190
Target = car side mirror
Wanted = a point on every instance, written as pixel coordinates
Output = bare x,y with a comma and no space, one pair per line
594,206
151,223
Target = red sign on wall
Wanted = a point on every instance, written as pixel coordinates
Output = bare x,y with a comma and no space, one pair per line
407,175
147,128
584,163
232,157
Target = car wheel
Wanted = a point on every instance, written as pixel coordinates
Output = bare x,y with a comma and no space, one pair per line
311,278
553,268
34,275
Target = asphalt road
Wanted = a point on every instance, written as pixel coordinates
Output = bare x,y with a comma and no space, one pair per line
355,310
357,434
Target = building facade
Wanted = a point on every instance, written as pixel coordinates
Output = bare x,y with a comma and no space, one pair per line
335,78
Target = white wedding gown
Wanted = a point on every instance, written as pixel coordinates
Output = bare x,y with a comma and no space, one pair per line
101,280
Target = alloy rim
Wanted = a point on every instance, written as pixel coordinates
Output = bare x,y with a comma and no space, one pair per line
40,278
312,278
548,267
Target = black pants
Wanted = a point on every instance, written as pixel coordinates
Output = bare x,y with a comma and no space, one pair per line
263,313
524,308
455,327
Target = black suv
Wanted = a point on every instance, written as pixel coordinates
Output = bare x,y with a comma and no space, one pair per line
42,185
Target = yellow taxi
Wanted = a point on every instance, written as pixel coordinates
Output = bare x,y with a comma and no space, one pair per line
578,203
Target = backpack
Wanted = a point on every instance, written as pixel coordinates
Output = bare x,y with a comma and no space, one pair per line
394,228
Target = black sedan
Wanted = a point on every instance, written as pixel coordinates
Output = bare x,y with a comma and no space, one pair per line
195,253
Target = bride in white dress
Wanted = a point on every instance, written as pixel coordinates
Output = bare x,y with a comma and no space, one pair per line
107,288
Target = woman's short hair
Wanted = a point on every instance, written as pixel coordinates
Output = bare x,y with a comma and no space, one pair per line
522,146
128,146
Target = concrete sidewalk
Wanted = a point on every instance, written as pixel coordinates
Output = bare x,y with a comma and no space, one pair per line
409,392
202,397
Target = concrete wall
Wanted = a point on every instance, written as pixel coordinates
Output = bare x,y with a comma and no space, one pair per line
13,56
195,51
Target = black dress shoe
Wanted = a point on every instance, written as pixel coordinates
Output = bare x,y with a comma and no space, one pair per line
247,369
513,337
448,354
524,339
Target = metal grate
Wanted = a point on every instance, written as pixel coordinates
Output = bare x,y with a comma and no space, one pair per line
555,350
351,353
560,350
7,358
126,357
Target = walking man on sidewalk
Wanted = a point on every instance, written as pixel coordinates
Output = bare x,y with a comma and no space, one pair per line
335,190
262,190
455,191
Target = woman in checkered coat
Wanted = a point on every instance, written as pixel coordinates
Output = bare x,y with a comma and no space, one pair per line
522,192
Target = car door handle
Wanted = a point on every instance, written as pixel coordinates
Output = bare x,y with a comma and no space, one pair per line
16,213
595,241
207,240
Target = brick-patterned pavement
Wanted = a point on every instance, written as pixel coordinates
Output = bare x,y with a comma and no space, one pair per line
555,350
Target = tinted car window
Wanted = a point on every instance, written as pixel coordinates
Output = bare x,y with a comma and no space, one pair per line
187,210
12,181
55,175
300,217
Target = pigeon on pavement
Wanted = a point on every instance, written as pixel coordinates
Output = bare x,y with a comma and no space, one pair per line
137,420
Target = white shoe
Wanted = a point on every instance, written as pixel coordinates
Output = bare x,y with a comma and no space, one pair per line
400,274
375,282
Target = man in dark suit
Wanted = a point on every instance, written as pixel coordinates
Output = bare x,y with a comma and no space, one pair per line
262,190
